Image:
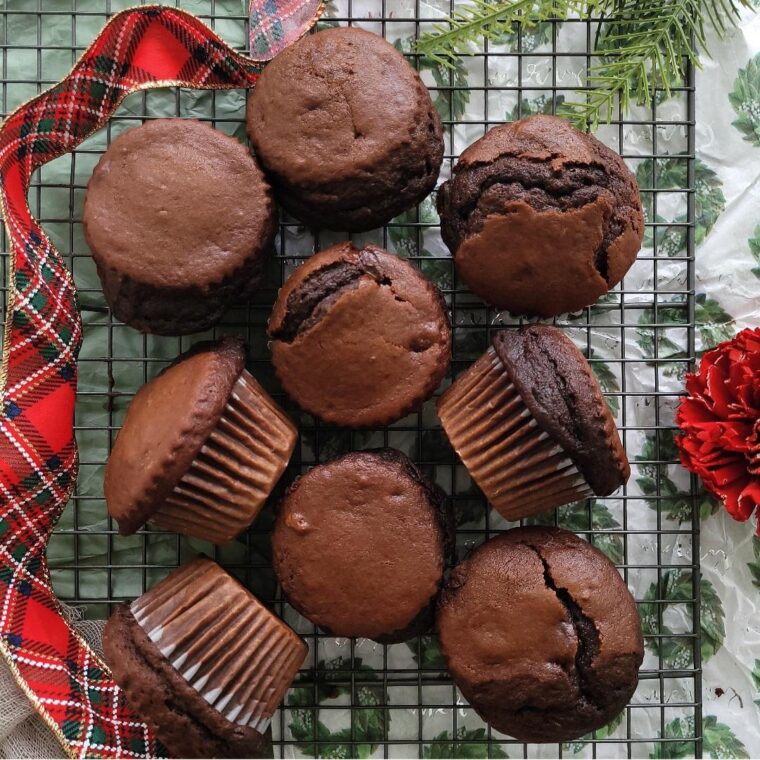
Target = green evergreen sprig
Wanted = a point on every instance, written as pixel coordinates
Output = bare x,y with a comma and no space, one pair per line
482,18
641,46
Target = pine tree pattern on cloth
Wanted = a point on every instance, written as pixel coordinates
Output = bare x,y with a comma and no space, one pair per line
745,99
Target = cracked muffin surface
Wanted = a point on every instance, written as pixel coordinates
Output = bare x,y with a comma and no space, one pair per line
359,336
541,219
541,635
345,129
560,389
336,548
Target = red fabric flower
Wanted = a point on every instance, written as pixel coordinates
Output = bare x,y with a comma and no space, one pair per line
720,420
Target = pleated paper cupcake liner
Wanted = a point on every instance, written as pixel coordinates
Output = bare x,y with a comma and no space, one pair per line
231,478
519,468
234,652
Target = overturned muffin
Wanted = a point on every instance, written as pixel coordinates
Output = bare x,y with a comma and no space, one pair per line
345,129
541,219
361,544
359,337
541,635
531,424
203,662
180,221
201,448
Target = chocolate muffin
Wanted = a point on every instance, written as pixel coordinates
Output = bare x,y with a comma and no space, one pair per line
541,635
531,424
541,219
360,545
203,662
359,337
179,219
346,130
201,448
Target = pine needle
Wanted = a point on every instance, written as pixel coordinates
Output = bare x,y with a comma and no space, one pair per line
642,46
483,19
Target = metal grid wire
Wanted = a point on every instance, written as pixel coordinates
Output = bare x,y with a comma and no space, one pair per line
95,568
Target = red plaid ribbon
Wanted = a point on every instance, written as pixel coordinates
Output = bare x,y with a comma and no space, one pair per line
142,48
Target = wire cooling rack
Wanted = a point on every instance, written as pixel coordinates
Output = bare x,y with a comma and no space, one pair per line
359,698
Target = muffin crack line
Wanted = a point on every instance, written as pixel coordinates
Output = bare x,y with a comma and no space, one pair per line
566,393
349,105
585,631
329,284
514,177
307,304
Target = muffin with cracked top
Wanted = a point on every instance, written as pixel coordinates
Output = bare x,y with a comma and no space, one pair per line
359,337
346,130
531,424
541,634
541,219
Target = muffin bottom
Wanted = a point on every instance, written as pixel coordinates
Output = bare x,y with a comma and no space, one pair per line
183,721
231,478
516,464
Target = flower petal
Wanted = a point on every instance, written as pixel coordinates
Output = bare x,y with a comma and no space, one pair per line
720,423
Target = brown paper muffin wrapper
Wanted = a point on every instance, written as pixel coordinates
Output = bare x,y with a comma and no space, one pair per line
231,478
519,468
232,650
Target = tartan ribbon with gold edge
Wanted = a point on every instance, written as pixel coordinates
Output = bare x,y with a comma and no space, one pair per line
138,49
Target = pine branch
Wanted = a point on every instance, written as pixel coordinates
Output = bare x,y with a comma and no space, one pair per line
642,46
484,19
647,47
